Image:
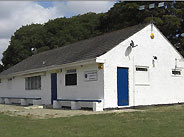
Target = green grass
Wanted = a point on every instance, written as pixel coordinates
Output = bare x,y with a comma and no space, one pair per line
165,121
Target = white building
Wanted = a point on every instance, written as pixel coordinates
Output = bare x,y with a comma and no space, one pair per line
107,71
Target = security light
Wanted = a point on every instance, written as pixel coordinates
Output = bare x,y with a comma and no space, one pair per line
34,50
155,57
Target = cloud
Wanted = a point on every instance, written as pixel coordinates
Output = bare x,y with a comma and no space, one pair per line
13,15
72,8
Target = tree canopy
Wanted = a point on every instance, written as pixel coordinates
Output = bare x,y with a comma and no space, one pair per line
62,31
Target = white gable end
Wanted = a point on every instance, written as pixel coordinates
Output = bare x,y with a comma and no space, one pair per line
157,85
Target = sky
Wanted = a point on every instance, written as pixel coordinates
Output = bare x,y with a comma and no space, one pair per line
14,14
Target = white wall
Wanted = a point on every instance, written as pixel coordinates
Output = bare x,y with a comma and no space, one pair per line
83,89
162,88
17,88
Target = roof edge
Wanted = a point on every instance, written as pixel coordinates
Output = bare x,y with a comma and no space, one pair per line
144,24
50,68
169,42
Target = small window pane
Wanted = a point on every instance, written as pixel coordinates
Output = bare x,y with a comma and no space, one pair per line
141,69
176,72
26,83
71,71
33,83
71,79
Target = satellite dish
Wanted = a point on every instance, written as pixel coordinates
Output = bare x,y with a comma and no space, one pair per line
128,51
129,48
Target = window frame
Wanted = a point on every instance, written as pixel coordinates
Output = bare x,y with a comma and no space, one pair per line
33,83
142,69
71,72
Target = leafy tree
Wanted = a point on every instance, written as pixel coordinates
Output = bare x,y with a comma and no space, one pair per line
120,16
25,38
1,68
63,31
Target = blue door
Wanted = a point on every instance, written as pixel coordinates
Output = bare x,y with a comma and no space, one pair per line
122,86
53,87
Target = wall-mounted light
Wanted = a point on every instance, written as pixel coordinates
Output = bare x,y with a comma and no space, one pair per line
155,57
152,36
57,71
100,66
34,50
43,62
153,61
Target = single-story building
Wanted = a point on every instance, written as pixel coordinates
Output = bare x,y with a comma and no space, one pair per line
129,67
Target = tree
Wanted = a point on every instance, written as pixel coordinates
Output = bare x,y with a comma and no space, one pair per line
25,38
1,68
63,31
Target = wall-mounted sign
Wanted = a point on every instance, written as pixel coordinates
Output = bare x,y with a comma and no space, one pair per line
91,75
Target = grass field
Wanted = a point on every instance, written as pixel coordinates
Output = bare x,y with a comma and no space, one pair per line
165,121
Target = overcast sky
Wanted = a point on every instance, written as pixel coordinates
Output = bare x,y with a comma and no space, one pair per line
14,14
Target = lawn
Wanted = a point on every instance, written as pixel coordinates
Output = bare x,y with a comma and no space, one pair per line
165,121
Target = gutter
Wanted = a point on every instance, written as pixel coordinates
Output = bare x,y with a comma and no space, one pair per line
52,67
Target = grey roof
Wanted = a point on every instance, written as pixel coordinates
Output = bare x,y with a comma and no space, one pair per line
82,50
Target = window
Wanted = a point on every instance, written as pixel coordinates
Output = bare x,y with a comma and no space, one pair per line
33,83
71,71
71,78
176,72
141,69
142,75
